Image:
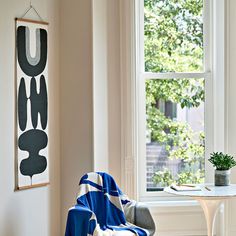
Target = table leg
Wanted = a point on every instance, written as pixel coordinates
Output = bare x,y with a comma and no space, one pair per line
210,208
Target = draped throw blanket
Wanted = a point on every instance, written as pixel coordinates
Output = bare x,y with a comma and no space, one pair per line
100,210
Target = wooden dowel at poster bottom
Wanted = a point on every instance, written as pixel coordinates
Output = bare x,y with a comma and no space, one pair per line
31,186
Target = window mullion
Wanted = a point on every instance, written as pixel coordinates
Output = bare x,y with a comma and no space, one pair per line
174,75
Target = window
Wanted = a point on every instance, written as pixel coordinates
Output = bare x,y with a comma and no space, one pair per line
174,79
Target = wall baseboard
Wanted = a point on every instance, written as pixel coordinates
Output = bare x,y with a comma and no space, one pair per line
179,220
182,233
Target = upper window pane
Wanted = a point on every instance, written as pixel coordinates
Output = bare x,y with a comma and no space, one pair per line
173,35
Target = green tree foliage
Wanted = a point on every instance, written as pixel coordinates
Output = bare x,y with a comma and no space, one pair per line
173,35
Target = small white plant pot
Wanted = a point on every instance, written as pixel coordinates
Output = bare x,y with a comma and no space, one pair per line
222,177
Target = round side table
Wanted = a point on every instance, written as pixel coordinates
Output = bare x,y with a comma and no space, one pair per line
210,198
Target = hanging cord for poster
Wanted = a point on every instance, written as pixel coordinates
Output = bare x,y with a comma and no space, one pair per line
31,7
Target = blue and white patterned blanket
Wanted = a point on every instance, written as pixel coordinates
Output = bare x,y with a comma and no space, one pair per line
100,209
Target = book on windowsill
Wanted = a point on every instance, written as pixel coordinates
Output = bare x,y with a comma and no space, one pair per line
185,187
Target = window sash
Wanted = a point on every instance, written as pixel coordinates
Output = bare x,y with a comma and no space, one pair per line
175,75
207,40
145,195
142,75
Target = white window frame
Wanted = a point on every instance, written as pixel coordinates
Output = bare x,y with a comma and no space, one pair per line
142,76
133,157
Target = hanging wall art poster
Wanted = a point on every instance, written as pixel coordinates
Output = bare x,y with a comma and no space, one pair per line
32,104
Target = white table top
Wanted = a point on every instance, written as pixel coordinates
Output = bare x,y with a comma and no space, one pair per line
216,191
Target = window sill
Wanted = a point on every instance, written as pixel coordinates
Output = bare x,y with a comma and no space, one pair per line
173,206
172,203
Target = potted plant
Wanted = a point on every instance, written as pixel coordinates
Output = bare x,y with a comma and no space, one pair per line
223,163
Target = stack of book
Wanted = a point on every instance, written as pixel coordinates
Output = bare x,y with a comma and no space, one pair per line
185,187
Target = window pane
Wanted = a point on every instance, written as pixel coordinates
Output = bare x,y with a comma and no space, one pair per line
173,35
175,132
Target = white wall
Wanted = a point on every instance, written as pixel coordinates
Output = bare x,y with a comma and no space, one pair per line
114,89
90,93
100,87
76,98
106,87
35,211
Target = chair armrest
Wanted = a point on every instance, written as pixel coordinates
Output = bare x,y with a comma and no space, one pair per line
138,214
143,218
78,221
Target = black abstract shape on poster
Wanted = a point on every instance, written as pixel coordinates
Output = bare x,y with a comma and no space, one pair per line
28,68
39,102
33,141
22,105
